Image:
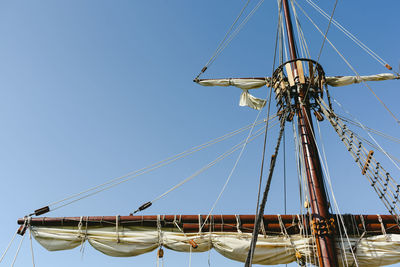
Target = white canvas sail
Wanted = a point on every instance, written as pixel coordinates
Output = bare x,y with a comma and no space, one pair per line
130,241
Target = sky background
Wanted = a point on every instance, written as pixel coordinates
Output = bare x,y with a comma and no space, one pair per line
91,90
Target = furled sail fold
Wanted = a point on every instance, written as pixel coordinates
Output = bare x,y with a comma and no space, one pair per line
246,99
375,239
271,249
347,80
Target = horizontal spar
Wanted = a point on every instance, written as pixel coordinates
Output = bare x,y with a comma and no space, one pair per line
273,224
152,219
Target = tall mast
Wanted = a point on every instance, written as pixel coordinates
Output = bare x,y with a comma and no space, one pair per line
318,199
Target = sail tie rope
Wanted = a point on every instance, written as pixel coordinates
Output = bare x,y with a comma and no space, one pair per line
300,225
355,246
287,236
160,252
159,230
117,219
363,223
80,227
177,226
210,237
262,226
284,232
282,226
190,240
81,234
382,227
199,223
238,224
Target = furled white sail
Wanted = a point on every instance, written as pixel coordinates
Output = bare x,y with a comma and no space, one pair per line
127,241
246,99
242,83
347,80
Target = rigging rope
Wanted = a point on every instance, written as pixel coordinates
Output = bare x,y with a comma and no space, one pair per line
258,114
268,109
233,169
302,40
8,246
371,130
127,177
249,258
161,163
260,213
33,255
375,147
18,249
325,169
350,35
226,40
323,42
212,163
263,153
284,170
382,182
226,36
349,65
373,139
224,155
327,30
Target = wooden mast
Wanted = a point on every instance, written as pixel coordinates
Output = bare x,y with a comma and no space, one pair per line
321,224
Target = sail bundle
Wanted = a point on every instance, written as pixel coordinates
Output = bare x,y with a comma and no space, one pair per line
246,84
283,238
270,250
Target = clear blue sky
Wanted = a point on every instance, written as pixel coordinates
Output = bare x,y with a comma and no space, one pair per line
91,90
